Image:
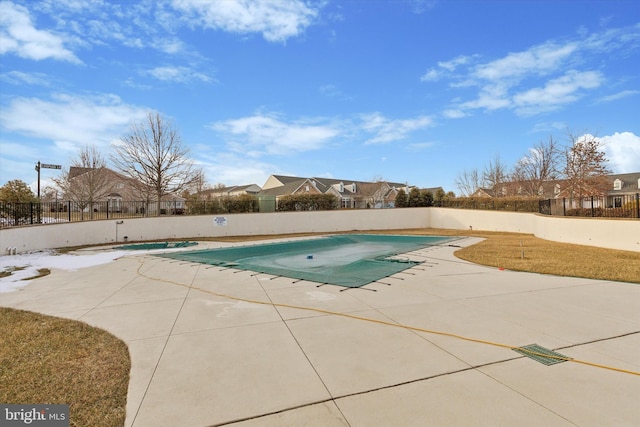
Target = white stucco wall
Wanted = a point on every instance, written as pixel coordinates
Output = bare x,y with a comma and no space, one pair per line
608,233
612,233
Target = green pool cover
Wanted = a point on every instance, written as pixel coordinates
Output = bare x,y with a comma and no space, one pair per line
156,245
351,260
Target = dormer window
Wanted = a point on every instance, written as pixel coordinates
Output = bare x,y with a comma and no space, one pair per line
617,184
556,189
342,187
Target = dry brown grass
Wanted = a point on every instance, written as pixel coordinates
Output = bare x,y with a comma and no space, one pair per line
525,252
48,360
528,253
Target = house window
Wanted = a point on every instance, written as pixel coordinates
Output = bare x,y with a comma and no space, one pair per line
346,203
306,188
540,191
617,184
114,203
556,189
617,202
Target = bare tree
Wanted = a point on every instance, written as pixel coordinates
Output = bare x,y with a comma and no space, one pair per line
199,182
585,168
87,180
541,164
153,155
468,181
495,174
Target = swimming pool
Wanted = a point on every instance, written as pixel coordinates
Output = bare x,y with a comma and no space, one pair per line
351,260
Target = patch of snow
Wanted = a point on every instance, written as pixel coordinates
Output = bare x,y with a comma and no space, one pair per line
30,263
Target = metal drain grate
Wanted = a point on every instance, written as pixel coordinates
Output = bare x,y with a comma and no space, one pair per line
541,354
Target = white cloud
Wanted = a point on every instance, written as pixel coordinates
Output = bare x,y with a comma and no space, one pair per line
619,95
178,74
19,78
539,60
266,133
454,63
276,20
431,75
623,151
332,91
538,79
556,92
19,36
385,130
454,114
419,146
491,97
222,168
70,121
445,67
170,46
420,6
548,127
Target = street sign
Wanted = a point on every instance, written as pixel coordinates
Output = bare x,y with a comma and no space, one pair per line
46,166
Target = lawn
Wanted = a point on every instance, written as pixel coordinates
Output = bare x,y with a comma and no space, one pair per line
48,360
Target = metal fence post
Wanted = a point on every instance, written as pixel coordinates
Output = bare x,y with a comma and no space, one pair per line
638,205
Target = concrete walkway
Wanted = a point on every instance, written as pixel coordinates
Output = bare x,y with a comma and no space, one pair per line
200,359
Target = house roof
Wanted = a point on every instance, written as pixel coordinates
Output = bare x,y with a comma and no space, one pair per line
432,190
560,187
629,181
75,171
289,187
291,183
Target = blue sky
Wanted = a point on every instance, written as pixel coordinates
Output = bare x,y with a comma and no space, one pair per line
406,91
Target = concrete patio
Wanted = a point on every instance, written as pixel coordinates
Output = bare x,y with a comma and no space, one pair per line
202,359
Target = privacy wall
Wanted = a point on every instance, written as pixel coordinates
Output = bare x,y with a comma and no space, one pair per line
607,233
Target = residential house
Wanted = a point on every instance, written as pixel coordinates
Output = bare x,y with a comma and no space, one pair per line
352,194
236,190
483,192
622,188
117,193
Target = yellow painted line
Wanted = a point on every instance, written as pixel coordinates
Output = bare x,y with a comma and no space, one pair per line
387,323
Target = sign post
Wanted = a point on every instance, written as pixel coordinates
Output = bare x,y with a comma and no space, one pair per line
46,166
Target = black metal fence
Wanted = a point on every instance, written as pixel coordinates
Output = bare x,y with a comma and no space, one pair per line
16,214
513,204
619,206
